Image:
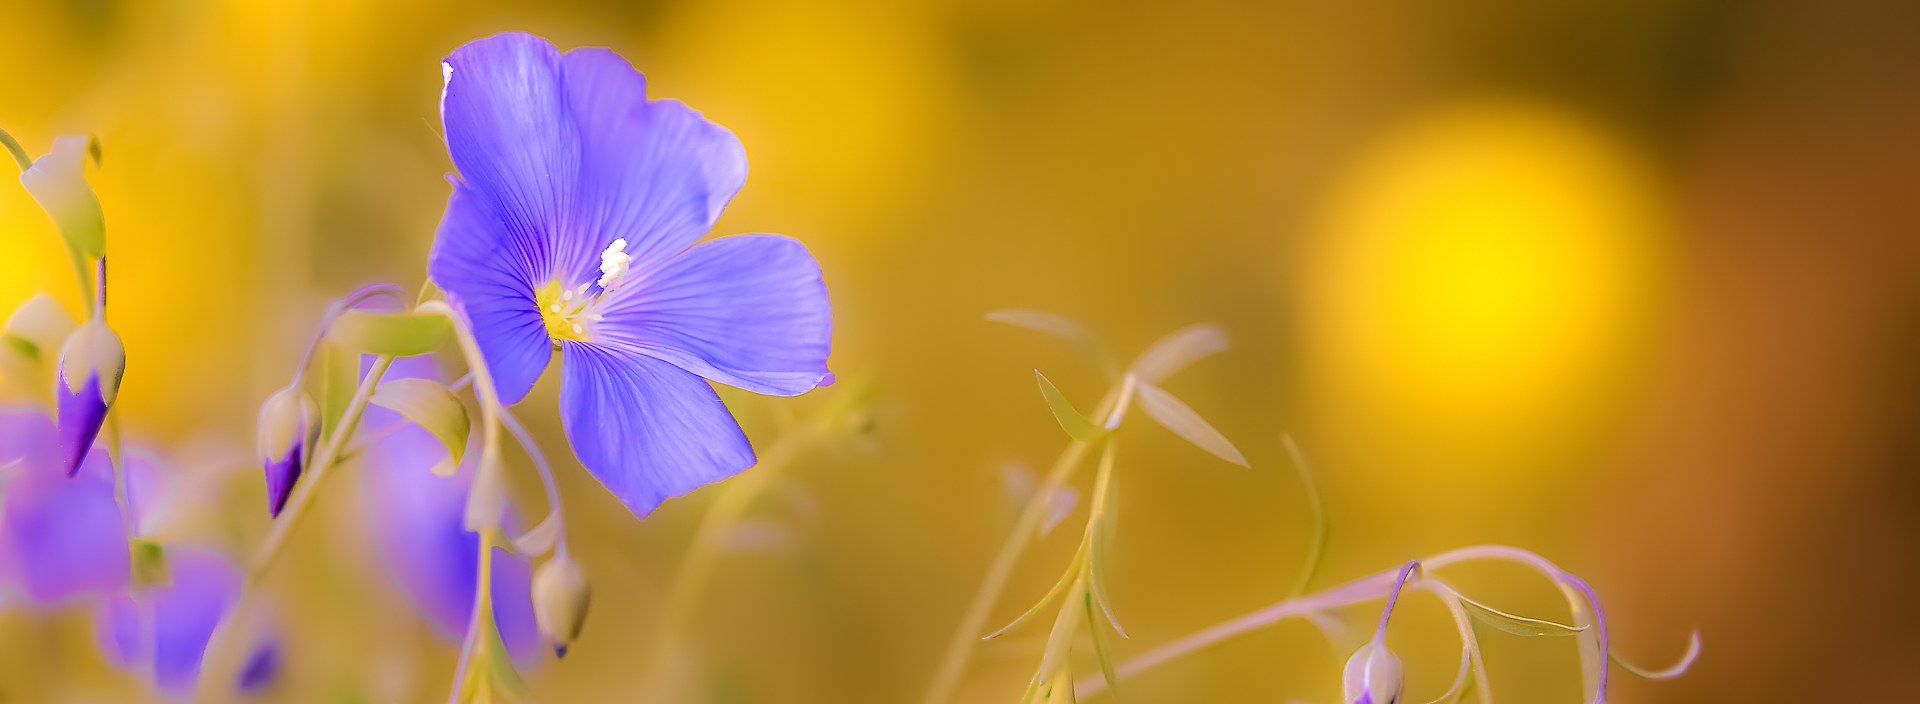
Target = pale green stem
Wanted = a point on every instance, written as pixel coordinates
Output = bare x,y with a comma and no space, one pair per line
960,647
317,471
474,644
683,597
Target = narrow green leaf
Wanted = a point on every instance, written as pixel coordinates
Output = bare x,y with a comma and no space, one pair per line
1067,579
1102,648
393,334
1317,550
1177,351
1517,625
1076,425
1063,328
429,405
1104,522
1171,412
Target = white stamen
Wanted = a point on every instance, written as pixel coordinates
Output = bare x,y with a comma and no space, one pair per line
553,307
577,329
613,264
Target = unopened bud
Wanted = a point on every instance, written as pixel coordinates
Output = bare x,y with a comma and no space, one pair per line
560,598
91,364
289,428
1373,676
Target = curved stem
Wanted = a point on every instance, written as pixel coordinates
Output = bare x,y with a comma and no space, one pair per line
485,483
540,466
347,303
960,647
1410,571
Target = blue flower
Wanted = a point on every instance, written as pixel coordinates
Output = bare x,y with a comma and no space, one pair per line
420,533
572,226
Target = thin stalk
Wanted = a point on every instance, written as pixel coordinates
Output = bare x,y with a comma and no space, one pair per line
317,471
960,647
473,644
689,584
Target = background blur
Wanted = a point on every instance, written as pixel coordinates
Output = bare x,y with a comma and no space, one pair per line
1632,284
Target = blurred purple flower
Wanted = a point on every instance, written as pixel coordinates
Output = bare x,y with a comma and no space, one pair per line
63,541
61,538
420,533
167,628
571,227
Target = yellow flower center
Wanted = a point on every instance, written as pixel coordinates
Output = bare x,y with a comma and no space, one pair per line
568,312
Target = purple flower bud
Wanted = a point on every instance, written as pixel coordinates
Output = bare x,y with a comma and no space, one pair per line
289,428
91,364
1373,676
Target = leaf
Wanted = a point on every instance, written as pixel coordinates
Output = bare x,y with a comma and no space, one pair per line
57,180
1177,417
1517,625
1102,648
1675,670
429,405
37,327
1104,521
1076,425
1061,327
391,334
1316,553
1067,580
1177,351
538,540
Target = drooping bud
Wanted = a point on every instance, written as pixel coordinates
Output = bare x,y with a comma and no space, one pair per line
91,364
289,427
560,596
1373,676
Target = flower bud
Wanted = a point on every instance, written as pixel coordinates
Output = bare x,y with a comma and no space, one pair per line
289,428
1373,676
91,364
560,598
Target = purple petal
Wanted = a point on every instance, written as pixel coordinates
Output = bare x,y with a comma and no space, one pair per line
488,268
262,668
645,428
282,473
749,311
419,522
171,625
82,411
64,537
28,436
653,172
512,140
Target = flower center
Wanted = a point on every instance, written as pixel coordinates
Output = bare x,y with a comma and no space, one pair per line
568,312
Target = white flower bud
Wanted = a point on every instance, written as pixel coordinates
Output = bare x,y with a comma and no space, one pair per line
560,597
1373,676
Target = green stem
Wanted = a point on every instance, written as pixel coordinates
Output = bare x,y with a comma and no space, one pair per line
960,647
317,471
13,147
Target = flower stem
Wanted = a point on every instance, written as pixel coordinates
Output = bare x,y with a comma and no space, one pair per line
960,648
689,584
269,550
